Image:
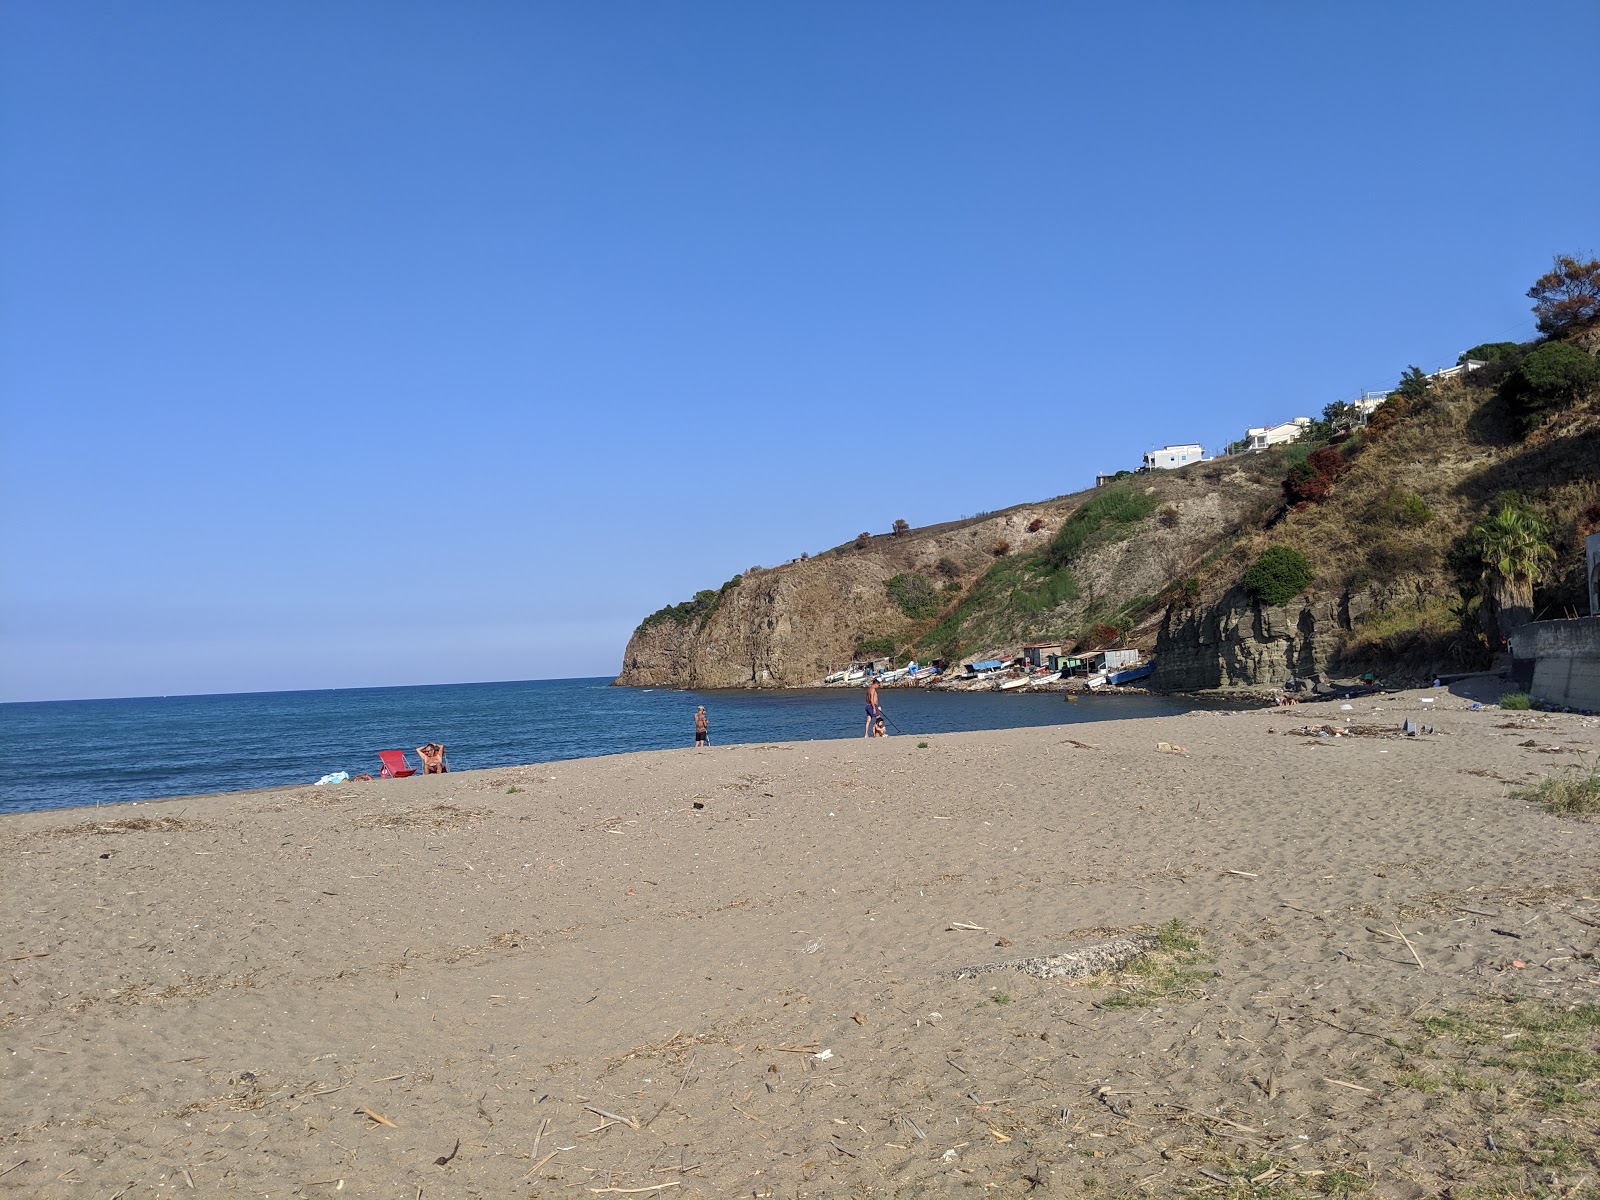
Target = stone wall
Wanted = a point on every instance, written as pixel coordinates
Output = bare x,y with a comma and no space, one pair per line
1566,661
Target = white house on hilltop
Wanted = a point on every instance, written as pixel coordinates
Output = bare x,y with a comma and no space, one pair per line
1168,457
1263,436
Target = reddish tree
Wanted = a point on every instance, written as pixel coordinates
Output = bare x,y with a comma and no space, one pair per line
1567,295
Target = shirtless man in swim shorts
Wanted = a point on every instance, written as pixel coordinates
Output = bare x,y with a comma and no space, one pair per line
432,756
872,706
702,728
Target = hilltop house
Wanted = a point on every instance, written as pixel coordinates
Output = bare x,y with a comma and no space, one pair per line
1168,457
1263,436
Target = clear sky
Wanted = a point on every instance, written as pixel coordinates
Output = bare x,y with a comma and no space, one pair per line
384,342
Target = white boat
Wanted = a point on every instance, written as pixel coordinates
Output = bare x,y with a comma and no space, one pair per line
1007,684
891,676
1045,677
1097,680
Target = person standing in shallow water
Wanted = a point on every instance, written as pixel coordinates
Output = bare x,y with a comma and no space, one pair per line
702,728
872,705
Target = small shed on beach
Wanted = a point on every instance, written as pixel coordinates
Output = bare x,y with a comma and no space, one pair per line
1039,654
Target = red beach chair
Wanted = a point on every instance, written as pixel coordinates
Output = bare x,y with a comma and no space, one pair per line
394,765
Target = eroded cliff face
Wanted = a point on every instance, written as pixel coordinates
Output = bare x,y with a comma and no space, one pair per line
790,625
1238,643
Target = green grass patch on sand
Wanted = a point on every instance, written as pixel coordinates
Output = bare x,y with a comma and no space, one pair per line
1569,793
1527,1050
1174,970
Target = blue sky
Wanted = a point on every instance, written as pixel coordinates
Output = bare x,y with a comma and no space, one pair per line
388,343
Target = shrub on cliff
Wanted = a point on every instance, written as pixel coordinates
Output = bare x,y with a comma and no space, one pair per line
1489,352
1279,574
1310,482
914,595
1550,377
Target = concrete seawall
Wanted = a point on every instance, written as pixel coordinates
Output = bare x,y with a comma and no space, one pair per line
1565,658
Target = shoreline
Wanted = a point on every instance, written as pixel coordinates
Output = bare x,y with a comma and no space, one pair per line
745,969
77,766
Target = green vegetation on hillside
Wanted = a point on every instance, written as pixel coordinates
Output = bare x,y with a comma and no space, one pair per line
914,595
1111,516
696,611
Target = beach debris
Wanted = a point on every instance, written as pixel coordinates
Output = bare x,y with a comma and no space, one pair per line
630,1122
1245,874
654,1187
1518,963
1347,708
965,925
33,954
823,1055
858,1018
1355,1087
367,1112
444,1159
1104,1096
949,1156
1506,933
1399,936
1080,962
1170,748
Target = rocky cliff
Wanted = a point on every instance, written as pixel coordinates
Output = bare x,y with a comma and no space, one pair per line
788,626
1235,642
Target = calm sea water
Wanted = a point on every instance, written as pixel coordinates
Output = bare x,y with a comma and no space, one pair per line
67,753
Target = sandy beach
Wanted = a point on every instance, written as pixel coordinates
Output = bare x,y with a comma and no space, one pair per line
733,972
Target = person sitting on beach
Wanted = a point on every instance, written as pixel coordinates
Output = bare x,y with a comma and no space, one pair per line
877,729
432,756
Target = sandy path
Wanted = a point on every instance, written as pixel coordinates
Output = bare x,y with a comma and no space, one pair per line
221,983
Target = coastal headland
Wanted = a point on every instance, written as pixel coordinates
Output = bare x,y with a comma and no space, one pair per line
743,972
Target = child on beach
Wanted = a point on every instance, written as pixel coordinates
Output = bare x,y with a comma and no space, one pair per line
877,729
702,728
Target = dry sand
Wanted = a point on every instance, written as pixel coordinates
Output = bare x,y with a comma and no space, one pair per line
569,980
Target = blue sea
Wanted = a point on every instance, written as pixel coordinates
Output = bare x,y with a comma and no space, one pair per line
82,752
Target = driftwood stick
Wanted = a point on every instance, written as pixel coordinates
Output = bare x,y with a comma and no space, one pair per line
1410,947
630,1122
541,1163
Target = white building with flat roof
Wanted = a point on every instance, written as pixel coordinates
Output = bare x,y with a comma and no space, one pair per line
1168,457
1263,436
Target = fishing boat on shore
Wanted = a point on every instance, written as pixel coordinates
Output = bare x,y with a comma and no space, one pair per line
1131,674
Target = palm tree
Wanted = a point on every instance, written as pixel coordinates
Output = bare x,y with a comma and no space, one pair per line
1514,545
